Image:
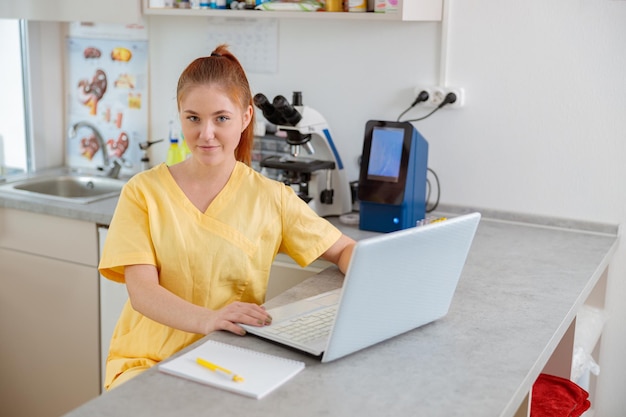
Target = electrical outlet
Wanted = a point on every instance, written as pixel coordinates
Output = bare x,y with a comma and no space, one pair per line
437,94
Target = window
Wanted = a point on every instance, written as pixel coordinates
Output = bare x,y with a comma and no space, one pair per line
13,115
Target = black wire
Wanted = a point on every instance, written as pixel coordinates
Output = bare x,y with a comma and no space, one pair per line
449,99
428,210
421,97
404,112
420,118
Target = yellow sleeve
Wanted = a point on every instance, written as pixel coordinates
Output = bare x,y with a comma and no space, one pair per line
306,235
128,240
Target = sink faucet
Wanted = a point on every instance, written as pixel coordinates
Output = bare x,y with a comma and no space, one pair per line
114,171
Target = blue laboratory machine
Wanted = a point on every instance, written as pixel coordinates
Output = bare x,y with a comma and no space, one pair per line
392,180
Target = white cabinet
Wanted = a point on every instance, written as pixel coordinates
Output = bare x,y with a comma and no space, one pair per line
408,10
49,354
110,11
113,297
585,331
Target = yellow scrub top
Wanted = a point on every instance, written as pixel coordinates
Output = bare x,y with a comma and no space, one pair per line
210,259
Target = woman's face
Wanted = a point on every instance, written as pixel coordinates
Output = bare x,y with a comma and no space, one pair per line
212,124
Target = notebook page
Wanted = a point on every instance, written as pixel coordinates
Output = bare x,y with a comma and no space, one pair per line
261,373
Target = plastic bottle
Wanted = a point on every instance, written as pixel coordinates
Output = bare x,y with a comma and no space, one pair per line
184,149
392,6
357,5
174,154
334,6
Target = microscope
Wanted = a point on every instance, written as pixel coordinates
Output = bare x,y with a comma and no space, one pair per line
321,183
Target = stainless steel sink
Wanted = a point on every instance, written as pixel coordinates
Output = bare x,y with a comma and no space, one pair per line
80,189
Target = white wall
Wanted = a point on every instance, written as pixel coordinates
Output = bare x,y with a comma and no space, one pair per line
349,72
46,48
546,91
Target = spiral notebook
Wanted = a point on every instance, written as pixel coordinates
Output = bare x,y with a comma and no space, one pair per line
261,373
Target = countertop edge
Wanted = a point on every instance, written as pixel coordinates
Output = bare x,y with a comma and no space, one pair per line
532,219
101,212
98,212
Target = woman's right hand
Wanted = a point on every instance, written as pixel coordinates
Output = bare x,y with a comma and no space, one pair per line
149,298
228,317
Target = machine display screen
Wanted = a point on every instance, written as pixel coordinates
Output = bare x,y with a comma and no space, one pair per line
385,161
385,154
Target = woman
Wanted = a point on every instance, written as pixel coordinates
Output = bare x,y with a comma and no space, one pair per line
194,242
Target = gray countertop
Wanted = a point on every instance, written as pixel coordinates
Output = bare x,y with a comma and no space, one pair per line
98,212
519,292
524,281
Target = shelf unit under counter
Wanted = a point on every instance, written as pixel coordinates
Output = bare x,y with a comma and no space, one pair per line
408,11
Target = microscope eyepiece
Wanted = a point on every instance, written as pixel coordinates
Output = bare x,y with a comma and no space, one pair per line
296,98
268,110
261,101
289,113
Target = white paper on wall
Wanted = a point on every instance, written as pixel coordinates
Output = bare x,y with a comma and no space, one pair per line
253,41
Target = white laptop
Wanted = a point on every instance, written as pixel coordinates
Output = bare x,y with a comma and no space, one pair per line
395,282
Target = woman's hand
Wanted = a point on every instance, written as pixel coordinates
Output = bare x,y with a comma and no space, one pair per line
228,317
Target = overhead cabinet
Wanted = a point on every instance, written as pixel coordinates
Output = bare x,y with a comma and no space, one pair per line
110,11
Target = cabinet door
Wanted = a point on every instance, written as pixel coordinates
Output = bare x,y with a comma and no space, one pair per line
110,11
49,353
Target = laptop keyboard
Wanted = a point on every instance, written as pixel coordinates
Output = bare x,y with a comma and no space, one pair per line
308,327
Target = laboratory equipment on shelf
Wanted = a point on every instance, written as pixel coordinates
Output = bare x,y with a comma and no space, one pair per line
322,181
392,180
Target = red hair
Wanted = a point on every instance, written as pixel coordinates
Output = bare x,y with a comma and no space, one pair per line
225,71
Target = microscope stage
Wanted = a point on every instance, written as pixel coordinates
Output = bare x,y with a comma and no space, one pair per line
296,165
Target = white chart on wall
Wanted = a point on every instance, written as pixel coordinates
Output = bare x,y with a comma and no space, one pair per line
253,41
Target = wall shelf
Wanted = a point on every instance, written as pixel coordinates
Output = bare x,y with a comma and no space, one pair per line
408,11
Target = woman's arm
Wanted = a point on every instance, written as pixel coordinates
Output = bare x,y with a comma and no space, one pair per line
149,298
340,252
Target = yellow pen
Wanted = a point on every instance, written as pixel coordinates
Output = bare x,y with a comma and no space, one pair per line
218,369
